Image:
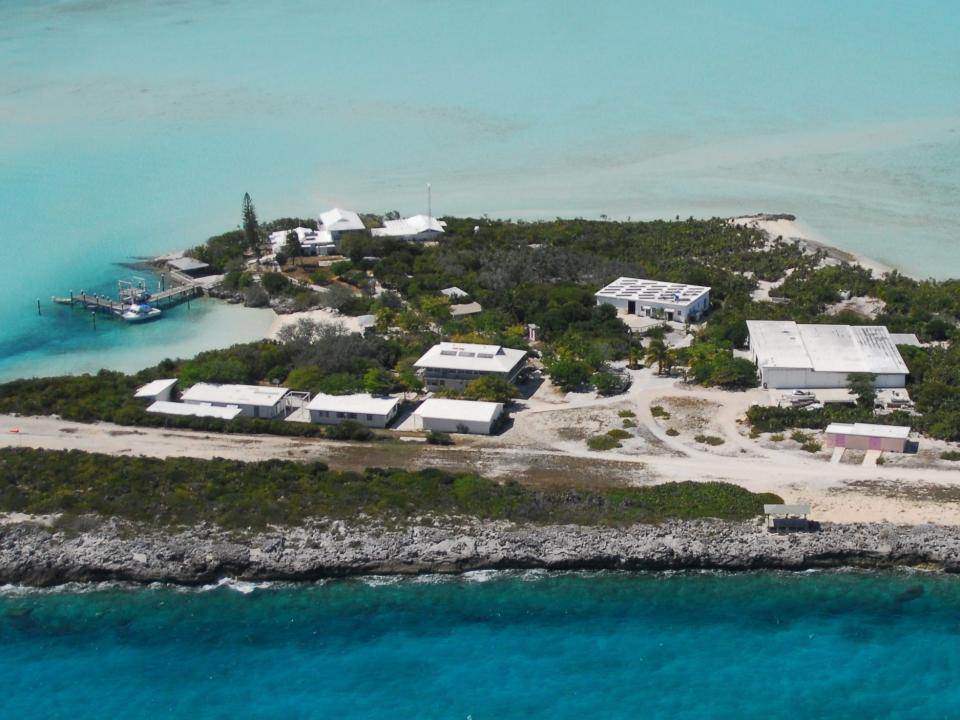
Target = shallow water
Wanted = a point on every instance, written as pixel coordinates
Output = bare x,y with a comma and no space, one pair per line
134,128
492,645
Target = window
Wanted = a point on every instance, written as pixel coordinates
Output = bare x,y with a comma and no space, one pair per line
369,417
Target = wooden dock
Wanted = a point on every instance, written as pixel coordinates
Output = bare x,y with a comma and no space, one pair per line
99,303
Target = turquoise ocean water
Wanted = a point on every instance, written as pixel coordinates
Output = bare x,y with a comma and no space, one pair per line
132,128
814,645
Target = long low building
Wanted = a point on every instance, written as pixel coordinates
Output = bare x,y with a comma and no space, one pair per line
165,407
865,436
453,365
788,355
371,410
417,227
457,416
656,299
257,401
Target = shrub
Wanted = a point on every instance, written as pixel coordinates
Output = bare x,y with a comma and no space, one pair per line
348,430
618,434
492,388
602,442
628,423
658,412
709,439
435,437
952,455
274,283
800,436
610,383
811,446
627,414
672,432
255,296
777,437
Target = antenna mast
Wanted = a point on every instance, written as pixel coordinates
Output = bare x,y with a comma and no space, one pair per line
429,202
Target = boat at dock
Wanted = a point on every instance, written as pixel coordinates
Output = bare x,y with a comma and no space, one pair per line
140,312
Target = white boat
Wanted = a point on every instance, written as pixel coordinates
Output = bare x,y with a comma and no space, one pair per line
140,313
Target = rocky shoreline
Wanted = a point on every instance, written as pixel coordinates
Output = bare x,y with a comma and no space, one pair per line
35,555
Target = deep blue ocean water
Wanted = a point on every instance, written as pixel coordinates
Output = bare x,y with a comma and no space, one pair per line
492,645
134,128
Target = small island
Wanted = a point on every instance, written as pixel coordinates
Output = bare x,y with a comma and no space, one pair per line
441,395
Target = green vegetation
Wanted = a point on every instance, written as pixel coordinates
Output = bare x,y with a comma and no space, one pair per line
709,439
235,494
619,434
777,437
435,437
863,387
602,442
952,455
658,412
672,432
627,414
800,437
628,423
811,446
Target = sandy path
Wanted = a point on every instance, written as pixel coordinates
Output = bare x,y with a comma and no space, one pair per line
842,493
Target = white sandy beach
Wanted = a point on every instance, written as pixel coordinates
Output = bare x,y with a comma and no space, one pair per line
791,230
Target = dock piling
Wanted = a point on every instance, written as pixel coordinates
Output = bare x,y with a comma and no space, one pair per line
38,307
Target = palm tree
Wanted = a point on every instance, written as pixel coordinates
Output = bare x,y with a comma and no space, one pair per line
657,352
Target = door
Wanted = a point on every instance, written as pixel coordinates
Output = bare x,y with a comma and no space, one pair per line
875,443
840,440
631,307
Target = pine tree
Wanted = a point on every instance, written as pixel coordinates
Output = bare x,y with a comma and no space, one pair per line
251,228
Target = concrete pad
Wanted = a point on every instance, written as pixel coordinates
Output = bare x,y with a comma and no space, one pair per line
871,457
837,455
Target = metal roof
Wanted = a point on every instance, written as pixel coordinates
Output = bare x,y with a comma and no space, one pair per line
798,509
472,410
469,356
164,407
186,264
900,432
339,220
360,403
234,394
657,291
152,389
825,348
411,226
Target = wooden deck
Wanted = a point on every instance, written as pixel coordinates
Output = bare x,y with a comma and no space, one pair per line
99,303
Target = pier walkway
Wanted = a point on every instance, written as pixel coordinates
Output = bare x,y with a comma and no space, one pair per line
100,303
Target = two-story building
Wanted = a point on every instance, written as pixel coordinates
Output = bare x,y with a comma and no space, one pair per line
453,365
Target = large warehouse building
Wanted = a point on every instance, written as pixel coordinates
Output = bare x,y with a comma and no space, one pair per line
653,298
789,355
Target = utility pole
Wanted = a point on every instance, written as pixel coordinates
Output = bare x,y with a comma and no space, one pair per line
429,202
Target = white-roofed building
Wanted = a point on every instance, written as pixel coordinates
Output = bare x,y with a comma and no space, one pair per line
453,365
257,401
656,299
156,390
789,355
338,220
376,411
454,292
313,242
417,227
865,436
457,416
164,407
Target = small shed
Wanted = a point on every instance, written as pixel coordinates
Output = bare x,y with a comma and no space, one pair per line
376,411
457,416
864,436
189,266
787,517
454,292
471,308
156,390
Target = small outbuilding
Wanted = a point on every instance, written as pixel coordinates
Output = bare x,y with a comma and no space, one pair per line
258,401
457,416
865,436
189,266
156,390
376,411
